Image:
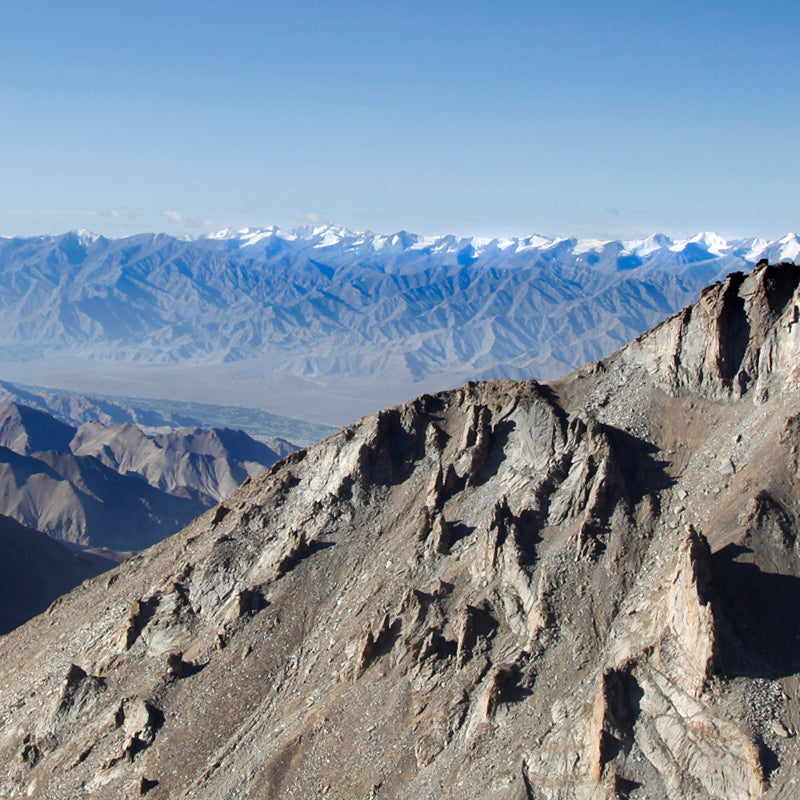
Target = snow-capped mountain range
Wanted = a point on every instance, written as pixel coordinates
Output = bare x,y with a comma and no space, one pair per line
363,243
329,322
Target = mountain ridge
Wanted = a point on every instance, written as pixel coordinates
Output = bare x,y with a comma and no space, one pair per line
751,248
340,323
158,416
558,591
115,485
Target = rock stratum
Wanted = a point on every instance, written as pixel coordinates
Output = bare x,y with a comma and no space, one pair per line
513,590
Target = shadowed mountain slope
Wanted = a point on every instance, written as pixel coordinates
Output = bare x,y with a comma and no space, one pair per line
511,590
35,570
26,430
80,500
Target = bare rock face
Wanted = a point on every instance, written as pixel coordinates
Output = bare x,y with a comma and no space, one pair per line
649,701
739,337
510,590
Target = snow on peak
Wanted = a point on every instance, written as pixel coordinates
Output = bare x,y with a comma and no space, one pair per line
429,242
712,242
533,242
644,247
587,245
252,236
709,241
328,235
86,237
789,248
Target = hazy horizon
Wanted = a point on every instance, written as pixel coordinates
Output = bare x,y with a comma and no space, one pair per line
575,120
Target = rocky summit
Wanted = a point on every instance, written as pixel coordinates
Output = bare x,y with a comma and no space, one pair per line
513,590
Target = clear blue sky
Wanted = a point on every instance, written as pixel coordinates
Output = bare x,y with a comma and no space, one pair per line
566,117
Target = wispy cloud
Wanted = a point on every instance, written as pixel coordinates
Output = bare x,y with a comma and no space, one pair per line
121,213
188,222
310,217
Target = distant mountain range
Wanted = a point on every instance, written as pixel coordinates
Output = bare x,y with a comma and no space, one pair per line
155,415
573,590
114,486
327,323
75,501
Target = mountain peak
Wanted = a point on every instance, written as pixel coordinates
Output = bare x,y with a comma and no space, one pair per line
86,237
737,339
367,318
330,235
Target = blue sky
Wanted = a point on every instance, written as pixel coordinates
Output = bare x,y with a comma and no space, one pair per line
598,119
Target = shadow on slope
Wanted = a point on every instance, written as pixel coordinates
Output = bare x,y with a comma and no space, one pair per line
35,570
758,617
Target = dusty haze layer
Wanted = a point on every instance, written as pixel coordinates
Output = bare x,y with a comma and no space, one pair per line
582,589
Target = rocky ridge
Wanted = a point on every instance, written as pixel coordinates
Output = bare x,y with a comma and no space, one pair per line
511,590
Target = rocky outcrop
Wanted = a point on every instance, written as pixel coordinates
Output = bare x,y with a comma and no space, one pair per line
649,700
740,337
508,590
